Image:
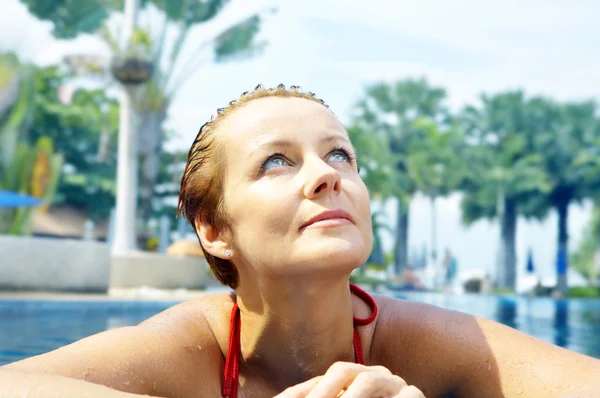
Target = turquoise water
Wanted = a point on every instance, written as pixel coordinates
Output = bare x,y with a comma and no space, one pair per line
30,328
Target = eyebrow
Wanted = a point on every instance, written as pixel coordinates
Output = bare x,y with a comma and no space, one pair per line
288,143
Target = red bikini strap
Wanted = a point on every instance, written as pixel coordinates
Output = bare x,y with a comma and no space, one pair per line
370,302
232,362
358,353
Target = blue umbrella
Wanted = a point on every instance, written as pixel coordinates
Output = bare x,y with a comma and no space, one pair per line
530,267
15,199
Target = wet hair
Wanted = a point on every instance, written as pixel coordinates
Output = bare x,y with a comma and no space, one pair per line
201,191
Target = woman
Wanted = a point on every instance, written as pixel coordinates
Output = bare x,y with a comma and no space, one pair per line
273,191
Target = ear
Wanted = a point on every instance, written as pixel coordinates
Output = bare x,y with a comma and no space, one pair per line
213,241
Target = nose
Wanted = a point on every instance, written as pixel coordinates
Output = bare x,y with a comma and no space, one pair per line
321,180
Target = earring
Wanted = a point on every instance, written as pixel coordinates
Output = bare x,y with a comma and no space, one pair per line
228,253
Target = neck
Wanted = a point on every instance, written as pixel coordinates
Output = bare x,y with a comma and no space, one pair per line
295,331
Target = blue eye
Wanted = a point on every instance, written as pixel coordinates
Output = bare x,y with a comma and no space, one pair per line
339,156
273,161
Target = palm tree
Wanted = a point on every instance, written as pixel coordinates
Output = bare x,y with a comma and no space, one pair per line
172,68
389,111
585,259
374,161
568,137
504,176
436,165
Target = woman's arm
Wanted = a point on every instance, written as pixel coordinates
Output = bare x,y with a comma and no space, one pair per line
171,354
528,366
34,385
447,352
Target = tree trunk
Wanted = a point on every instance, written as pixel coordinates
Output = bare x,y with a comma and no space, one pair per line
508,274
151,140
563,239
401,241
103,146
433,232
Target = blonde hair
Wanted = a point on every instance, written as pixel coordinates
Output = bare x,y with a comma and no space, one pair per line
201,191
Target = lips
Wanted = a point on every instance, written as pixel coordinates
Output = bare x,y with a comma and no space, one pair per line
328,215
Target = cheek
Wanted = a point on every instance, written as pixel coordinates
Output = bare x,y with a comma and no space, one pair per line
362,205
362,202
259,210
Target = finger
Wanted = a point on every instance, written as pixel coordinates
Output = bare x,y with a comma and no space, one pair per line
410,392
299,390
339,376
369,384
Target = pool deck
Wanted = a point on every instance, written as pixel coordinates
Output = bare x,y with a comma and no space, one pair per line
114,294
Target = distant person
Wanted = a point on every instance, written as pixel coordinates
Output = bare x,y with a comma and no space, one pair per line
273,191
411,281
450,267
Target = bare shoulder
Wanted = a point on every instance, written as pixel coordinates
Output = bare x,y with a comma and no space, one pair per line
170,354
413,340
451,353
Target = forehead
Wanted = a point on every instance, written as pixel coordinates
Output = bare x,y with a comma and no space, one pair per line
264,119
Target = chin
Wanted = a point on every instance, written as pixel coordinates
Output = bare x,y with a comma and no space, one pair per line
336,254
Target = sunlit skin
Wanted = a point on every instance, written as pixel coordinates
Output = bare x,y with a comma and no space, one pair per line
283,168
288,160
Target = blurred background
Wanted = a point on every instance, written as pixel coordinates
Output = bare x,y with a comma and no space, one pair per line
476,125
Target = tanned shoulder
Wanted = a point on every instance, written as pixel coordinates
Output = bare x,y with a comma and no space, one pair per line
430,347
448,353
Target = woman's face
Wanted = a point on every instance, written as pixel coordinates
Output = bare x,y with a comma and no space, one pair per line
290,160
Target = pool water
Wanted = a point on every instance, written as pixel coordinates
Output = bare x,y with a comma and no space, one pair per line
30,328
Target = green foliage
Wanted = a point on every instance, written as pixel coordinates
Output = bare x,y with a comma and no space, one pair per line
238,41
392,126
31,168
375,267
584,292
88,183
366,280
190,12
503,291
16,108
34,171
498,137
435,161
171,70
387,114
584,258
375,161
9,65
73,17
140,43
567,136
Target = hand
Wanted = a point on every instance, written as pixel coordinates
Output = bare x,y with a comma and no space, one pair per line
350,380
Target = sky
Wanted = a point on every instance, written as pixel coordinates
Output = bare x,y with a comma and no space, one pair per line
337,47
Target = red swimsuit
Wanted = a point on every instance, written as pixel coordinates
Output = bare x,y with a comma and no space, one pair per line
232,363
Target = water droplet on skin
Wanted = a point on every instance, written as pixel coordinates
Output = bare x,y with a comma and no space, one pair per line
126,382
519,392
489,366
